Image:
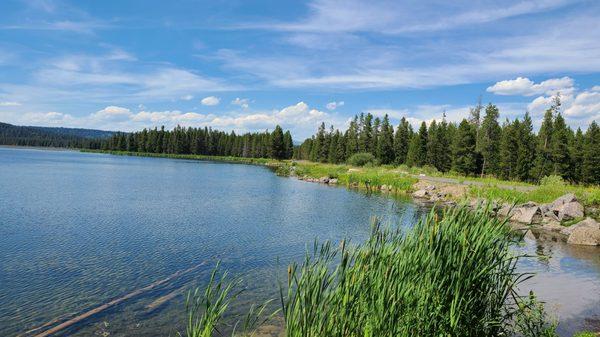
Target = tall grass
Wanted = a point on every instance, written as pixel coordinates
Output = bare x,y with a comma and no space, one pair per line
453,276
450,275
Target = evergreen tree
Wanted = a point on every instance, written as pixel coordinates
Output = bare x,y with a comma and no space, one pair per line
543,163
365,139
489,140
401,140
278,150
509,149
590,169
561,156
465,161
576,154
351,137
414,151
386,142
527,143
288,144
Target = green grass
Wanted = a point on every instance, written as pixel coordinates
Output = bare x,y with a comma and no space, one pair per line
451,275
363,177
589,195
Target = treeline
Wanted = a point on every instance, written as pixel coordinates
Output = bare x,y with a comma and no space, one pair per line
478,145
205,141
51,137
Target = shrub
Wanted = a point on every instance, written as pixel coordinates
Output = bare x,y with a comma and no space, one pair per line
361,159
552,180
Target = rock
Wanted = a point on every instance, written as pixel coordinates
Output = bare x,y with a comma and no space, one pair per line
529,235
324,180
586,232
506,211
430,188
569,211
553,226
333,181
420,194
438,197
569,197
384,187
527,215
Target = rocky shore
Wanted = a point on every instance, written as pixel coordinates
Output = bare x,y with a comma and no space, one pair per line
565,219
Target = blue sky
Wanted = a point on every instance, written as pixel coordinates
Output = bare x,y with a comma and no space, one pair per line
248,65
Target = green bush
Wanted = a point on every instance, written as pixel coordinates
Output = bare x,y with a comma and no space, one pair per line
361,159
553,180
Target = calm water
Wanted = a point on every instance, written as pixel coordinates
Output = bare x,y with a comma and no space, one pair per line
77,230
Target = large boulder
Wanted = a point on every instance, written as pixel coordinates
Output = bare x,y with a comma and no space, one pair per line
569,211
567,198
528,214
586,232
420,194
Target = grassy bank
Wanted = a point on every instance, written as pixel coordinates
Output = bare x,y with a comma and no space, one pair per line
228,159
402,178
450,275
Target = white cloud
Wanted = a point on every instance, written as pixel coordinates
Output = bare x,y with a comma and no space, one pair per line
187,97
579,108
244,103
334,105
10,104
113,113
210,100
523,86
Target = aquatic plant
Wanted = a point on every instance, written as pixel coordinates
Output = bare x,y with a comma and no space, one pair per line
452,274
448,276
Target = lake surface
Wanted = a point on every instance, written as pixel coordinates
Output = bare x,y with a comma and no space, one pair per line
80,229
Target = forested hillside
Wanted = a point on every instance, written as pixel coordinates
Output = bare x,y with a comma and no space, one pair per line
51,137
205,141
478,145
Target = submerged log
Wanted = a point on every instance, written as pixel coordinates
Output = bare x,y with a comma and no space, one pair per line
111,303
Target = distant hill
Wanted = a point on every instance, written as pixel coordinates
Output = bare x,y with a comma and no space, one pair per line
51,137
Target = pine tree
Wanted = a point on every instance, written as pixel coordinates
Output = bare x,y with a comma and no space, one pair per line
543,163
465,160
351,137
509,150
385,144
527,143
489,140
288,145
576,149
401,140
414,151
590,169
365,140
422,158
278,150
561,156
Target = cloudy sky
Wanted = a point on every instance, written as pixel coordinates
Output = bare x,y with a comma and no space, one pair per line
248,65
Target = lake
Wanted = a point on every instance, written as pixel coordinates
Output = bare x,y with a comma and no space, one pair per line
80,229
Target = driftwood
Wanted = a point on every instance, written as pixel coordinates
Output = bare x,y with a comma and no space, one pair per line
112,303
159,302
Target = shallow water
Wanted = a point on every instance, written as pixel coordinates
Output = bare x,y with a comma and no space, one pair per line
79,229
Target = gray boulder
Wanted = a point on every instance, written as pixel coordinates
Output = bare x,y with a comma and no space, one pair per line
527,214
420,194
324,180
586,232
567,198
569,211
333,181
